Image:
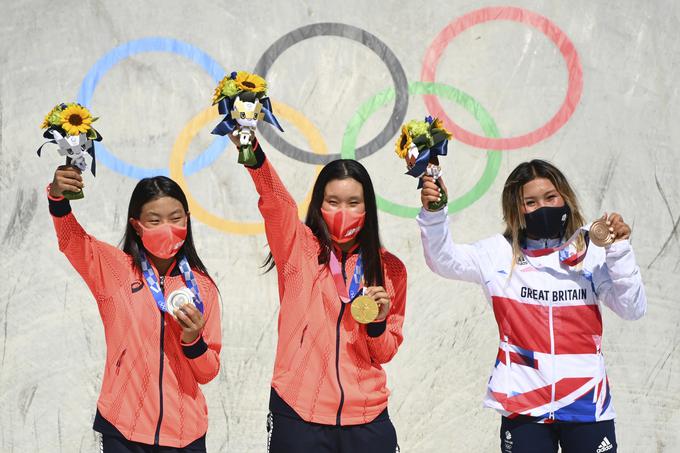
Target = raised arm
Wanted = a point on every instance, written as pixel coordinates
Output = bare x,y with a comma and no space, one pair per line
442,255
92,259
285,232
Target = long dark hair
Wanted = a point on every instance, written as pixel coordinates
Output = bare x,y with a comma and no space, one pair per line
513,200
149,189
368,238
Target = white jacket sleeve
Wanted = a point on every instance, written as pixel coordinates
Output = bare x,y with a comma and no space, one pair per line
455,261
618,283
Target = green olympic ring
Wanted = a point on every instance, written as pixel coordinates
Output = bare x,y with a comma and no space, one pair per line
493,157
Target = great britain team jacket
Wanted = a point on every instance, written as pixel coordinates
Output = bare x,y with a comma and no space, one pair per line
150,391
550,363
327,366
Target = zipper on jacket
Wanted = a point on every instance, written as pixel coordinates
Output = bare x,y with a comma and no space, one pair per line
552,357
598,376
337,344
160,373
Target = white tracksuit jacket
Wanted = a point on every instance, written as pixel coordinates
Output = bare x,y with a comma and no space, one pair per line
549,364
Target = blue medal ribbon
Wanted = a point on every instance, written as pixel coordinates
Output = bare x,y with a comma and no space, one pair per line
155,287
355,285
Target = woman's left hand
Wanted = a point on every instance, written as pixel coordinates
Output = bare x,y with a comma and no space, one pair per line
378,294
617,226
191,320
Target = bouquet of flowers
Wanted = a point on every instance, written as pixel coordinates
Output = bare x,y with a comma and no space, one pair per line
420,144
70,127
242,97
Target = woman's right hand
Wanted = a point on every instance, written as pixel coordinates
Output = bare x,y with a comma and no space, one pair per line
234,139
66,177
431,193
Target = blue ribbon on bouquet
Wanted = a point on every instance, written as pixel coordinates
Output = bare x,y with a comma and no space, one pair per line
228,124
89,149
440,148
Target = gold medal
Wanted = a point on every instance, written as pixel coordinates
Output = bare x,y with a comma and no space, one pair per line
600,234
364,309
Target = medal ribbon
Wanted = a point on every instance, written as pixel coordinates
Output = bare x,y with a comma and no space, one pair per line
566,256
354,285
155,287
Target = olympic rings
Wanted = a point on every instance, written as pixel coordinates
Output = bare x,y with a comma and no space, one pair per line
541,23
105,63
181,146
399,94
362,37
487,123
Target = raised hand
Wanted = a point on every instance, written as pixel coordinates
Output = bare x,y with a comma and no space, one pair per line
66,178
430,192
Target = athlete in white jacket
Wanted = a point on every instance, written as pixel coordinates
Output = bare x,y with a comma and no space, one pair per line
546,284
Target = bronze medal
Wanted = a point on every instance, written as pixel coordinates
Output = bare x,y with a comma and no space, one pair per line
600,234
364,309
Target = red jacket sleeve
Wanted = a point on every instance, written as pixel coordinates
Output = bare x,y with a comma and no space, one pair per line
385,345
95,261
288,237
204,353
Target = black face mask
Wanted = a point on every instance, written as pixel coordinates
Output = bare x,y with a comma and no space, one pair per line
547,222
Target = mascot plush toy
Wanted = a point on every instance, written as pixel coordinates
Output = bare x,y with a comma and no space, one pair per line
242,98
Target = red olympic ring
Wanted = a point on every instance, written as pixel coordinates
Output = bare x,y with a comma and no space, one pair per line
544,25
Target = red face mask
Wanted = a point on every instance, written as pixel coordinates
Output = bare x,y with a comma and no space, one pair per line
162,241
343,225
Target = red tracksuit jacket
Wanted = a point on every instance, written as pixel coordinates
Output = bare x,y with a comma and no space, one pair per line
327,367
150,391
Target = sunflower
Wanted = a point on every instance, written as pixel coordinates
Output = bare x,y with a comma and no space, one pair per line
46,122
226,88
53,118
403,143
246,81
437,124
217,95
76,119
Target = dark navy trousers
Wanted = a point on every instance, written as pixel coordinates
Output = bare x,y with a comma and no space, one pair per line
524,435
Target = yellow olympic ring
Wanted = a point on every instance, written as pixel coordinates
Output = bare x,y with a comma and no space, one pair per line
181,146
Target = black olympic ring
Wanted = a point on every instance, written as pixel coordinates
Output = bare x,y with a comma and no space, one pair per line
362,37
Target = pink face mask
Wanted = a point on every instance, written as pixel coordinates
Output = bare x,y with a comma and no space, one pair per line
162,241
343,225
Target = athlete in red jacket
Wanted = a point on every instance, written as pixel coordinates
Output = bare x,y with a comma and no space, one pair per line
329,389
156,356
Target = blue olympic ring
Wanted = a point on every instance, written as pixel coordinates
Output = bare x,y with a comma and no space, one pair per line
154,44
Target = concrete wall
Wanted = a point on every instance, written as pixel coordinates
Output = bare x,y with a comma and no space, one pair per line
619,148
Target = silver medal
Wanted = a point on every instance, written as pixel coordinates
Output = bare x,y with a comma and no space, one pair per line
178,298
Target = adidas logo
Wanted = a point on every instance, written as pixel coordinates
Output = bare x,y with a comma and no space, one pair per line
605,445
